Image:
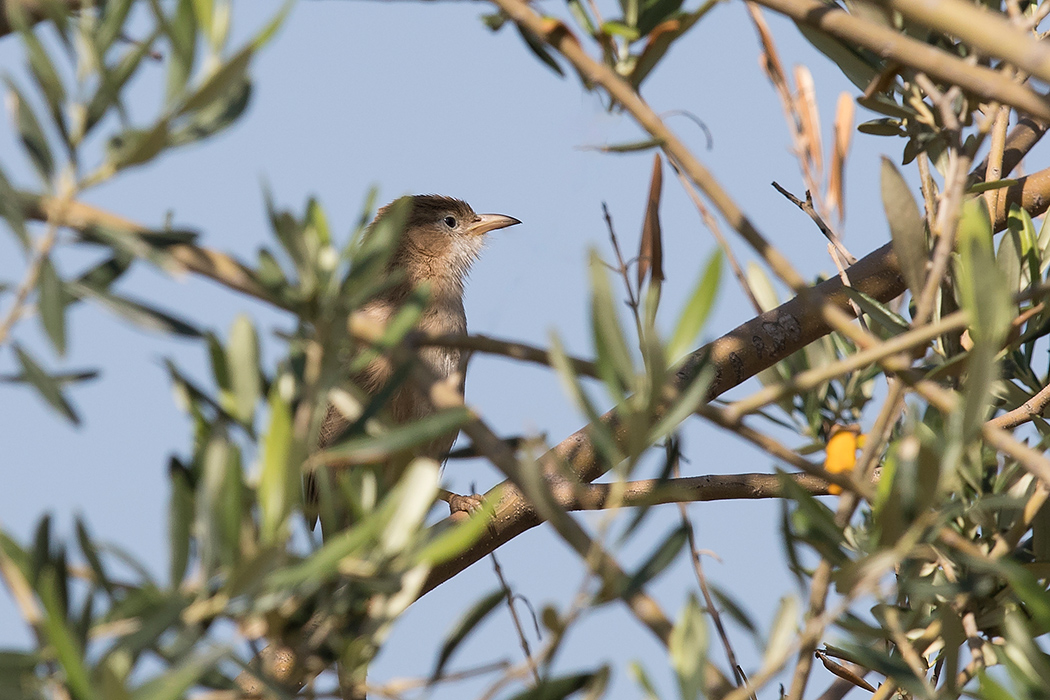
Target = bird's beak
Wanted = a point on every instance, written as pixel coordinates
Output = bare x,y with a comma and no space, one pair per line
491,222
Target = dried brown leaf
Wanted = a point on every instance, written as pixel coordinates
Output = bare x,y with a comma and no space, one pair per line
843,136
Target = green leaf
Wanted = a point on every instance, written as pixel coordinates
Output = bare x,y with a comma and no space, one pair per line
174,683
180,522
906,227
984,295
696,310
31,134
11,212
656,11
242,359
556,688
883,126
91,555
219,504
685,404
782,631
859,67
458,537
141,315
214,117
613,361
136,146
687,649
662,557
114,14
46,77
182,37
540,50
979,187
892,322
65,647
46,385
466,624
411,499
113,79
371,449
52,301
279,478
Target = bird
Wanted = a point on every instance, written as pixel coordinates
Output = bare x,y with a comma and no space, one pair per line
441,239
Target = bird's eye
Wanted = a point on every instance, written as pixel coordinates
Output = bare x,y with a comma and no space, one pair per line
450,221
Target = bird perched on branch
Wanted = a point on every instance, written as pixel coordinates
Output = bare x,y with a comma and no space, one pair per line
442,238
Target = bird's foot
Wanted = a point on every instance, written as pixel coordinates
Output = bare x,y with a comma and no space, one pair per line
462,507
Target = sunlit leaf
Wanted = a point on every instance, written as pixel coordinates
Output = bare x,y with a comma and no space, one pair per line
696,310
688,649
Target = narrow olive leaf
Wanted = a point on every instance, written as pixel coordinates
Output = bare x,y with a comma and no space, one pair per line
91,555
52,300
141,315
979,187
640,676
657,12
983,293
906,227
687,648
31,133
650,252
46,385
214,117
136,146
180,522
684,406
113,15
628,147
278,490
466,624
658,560
1009,258
785,624
1020,221
696,310
600,434
181,29
614,362
892,322
242,359
883,126
411,500
46,77
858,66
114,78
370,449
11,212
556,688
103,275
540,51
660,40
456,539
60,377
174,683
67,651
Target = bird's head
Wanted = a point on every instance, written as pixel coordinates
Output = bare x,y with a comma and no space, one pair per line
442,238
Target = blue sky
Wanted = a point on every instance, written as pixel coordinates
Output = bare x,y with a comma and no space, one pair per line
421,97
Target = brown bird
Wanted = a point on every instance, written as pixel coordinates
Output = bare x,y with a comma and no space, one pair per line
441,240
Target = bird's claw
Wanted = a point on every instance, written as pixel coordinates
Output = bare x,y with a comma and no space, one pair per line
462,507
